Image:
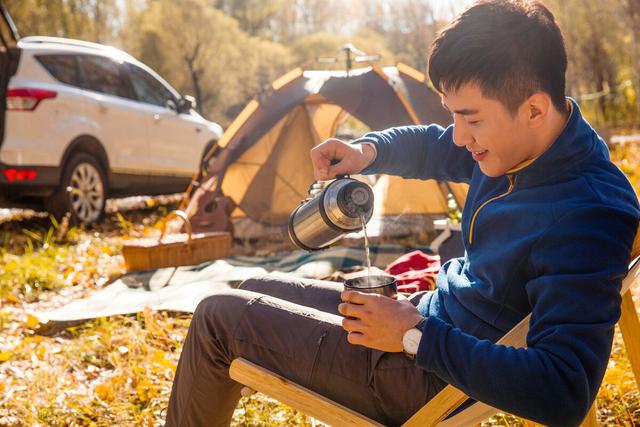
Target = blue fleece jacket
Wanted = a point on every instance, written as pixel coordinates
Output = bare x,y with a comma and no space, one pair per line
553,239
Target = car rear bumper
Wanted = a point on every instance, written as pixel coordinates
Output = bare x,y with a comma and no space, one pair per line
22,192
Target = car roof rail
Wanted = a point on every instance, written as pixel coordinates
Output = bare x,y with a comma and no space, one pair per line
71,42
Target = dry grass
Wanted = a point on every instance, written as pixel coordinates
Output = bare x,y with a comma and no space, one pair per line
105,372
118,371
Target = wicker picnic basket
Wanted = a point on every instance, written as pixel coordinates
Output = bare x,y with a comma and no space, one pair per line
175,249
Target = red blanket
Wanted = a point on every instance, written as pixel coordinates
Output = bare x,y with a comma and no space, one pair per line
415,271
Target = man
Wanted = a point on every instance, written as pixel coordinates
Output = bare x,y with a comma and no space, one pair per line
547,227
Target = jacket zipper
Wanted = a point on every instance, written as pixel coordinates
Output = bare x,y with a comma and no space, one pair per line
512,181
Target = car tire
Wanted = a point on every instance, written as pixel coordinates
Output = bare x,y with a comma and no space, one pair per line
82,191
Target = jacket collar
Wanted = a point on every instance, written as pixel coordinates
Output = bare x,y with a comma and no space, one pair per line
574,142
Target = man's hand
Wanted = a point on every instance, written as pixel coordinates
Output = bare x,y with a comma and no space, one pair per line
348,158
376,321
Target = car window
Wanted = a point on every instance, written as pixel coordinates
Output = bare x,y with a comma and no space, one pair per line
104,75
147,88
63,68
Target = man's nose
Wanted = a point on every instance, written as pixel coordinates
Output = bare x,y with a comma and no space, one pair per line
461,135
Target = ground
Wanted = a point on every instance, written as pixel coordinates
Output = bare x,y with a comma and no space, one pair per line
118,370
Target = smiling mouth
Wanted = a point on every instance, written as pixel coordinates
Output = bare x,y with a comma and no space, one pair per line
478,155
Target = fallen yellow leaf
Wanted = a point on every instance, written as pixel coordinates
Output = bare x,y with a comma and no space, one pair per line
146,391
119,380
6,355
32,321
605,393
158,356
104,392
41,352
12,299
160,361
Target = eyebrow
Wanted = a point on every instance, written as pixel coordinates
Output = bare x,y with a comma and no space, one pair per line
466,111
462,112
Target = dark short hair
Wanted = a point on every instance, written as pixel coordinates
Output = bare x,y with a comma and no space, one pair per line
510,48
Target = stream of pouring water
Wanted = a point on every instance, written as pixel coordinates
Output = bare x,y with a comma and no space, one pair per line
366,246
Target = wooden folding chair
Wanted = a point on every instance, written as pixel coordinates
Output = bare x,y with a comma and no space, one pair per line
450,398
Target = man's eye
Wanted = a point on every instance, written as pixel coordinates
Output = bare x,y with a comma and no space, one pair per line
474,122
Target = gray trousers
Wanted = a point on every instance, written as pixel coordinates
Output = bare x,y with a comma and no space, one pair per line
291,327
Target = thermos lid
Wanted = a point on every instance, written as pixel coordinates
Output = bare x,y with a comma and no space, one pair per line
355,199
345,202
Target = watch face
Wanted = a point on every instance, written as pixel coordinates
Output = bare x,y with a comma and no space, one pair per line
411,340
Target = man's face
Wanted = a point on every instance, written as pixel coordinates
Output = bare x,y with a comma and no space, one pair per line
497,140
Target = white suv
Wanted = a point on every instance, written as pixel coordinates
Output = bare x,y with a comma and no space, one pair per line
85,122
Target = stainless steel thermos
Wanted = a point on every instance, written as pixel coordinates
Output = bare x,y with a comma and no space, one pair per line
331,213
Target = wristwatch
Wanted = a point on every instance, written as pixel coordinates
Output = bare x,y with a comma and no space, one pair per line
411,339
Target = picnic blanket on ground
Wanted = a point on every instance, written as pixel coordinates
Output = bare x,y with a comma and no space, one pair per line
182,288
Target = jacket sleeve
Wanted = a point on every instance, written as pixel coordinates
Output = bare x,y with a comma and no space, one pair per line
578,265
424,152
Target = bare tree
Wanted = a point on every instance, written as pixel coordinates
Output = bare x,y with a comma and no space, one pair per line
195,73
633,7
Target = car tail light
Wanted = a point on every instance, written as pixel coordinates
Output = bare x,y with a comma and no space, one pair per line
27,99
13,175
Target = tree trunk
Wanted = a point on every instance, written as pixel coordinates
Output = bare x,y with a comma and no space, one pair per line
635,66
196,89
634,17
195,76
98,21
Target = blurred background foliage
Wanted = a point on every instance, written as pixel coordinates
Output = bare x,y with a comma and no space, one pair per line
224,51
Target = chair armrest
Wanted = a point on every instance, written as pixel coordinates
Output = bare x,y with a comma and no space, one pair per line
449,398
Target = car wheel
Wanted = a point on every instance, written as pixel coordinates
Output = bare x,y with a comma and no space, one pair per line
82,191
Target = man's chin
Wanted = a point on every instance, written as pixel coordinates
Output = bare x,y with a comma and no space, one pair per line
489,171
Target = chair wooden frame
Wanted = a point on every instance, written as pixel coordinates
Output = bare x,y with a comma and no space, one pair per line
435,411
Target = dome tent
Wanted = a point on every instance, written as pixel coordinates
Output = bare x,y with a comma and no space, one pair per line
262,160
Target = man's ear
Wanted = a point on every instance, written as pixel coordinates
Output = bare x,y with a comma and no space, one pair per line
537,107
